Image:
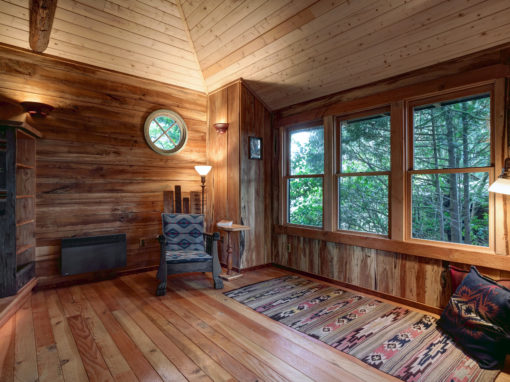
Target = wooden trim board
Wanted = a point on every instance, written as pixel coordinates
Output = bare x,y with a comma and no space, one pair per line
17,301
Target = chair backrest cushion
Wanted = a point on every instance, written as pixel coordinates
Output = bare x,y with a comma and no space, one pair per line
183,232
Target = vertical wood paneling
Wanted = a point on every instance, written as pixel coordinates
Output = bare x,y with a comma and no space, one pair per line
410,277
95,173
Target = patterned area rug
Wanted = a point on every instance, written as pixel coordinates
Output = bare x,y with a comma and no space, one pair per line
395,340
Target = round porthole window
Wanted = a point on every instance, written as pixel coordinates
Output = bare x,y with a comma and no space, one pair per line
165,132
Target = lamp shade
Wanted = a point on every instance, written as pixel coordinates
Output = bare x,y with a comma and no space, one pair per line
501,186
203,170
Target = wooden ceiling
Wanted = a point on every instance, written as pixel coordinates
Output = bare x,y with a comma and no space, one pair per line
288,51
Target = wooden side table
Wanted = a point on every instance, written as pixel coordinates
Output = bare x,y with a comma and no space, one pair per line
233,228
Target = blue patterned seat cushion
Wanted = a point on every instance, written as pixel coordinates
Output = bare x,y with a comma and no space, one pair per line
183,232
186,256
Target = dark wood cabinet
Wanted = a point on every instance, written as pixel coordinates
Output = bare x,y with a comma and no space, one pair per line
17,205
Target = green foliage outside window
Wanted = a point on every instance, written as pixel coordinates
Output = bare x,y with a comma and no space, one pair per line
305,193
363,200
452,207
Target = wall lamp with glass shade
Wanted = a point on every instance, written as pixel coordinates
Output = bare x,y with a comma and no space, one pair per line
203,171
502,184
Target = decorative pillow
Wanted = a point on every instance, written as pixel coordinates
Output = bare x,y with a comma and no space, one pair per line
458,274
183,232
478,319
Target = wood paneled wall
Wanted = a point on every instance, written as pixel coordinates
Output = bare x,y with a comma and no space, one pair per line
240,188
95,173
403,275
414,278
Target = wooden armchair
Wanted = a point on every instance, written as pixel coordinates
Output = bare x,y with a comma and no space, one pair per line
186,248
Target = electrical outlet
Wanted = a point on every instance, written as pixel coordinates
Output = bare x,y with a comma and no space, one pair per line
142,243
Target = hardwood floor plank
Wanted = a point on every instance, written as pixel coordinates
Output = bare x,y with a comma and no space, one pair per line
135,310
25,356
223,358
256,366
118,366
7,341
160,363
282,370
206,363
93,361
48,362
305,361
70,360
318,352
135,358
119,330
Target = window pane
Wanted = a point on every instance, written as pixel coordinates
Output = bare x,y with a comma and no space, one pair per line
451,207
452,134
366,145
363,204
307,151
305,201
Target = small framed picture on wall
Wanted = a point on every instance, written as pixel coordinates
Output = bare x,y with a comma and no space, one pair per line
255,148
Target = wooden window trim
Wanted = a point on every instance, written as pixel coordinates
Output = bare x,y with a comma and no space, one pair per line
285,168
337,154
494,257
440,97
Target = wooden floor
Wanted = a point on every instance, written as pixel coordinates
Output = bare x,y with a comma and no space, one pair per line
118,330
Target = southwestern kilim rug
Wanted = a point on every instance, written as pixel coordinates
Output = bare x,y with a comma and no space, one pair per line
398,341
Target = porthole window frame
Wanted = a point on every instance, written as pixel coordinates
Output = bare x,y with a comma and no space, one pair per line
181,124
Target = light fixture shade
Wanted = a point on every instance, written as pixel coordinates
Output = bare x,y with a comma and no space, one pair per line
501,186
203,170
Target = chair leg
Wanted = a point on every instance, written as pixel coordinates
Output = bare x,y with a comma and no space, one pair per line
161,291
218,282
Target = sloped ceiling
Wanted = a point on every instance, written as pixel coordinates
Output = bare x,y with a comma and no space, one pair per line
287,51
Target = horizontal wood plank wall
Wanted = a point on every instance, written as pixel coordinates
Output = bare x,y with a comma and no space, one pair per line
402,275
255,181
95,173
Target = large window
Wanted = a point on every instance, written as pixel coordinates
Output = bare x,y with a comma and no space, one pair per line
363,170
305,176
411,176
449,169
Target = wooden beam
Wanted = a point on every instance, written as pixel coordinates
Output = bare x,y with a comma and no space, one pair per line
42,13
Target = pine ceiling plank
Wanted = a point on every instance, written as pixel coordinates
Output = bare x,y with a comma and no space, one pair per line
162,16
108,31
321,28
295,22
376,36
226,23
131,27
105,60
127,14
200,12
240,33
350,57
13,36
213,18
188,6
477,41
87,30
130,56
19,9
163,5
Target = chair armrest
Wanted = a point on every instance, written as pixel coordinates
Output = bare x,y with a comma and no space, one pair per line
209,240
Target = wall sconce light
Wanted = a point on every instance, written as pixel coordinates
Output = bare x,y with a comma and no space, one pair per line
502,184
221,128
203,171
37,109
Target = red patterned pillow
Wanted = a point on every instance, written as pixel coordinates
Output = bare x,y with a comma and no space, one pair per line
478,319
458,274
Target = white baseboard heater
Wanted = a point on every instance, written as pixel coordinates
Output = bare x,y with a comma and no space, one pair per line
92,254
